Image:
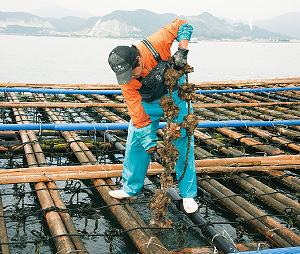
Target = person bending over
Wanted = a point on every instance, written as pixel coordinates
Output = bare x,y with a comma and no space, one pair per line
139,71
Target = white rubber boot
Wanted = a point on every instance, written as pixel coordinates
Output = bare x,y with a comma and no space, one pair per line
190,205
120,194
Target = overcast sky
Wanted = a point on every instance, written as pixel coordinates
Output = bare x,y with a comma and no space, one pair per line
233,9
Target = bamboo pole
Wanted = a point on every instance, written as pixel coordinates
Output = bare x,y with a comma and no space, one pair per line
60,105
280,162
273,230
217,144
80,248
258,131
241,138
65,86
290,181
289,236
3,231
54,221
140,237
132,220
242,247
241,104
79,173
123,105
29,178
231,83
270,196
56,226
239,211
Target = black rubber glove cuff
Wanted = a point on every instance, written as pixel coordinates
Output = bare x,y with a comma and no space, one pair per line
180,58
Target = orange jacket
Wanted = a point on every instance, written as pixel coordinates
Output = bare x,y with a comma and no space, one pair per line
162,41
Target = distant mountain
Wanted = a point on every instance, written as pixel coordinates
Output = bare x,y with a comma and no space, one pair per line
148,22
287,24
58,12
130,24
24,23
67,24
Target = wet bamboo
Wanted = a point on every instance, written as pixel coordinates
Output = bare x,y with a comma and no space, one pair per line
102,111
250,141
270,196
268,113
64,147
62,242
286,161
65,86
259,132
253,82
256,82
114,169
206,139
140,237
241,138
268,148
272,115
64,176
71,136
3,231
217,144
243,247
133,220
54,221
203,154
264,134
72,143
289,236
241,104
290,181
60,105
58,202
11,176
239,211
269,136
104,100
287,132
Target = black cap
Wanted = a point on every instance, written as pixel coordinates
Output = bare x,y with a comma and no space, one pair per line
120,60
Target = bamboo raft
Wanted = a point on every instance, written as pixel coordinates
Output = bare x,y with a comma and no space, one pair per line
242,168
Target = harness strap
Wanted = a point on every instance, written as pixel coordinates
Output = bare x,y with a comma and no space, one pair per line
152,50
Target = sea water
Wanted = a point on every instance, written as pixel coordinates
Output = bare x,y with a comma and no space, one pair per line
29,59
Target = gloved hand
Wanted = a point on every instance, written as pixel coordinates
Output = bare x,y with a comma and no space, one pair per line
155,155
179,59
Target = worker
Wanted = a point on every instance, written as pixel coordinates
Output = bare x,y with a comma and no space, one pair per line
139,71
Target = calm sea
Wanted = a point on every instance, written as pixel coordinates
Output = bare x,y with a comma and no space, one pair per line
84,60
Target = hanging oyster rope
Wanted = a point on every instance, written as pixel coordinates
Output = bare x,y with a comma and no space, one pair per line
160,201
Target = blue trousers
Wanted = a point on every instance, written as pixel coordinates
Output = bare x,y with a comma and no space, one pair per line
137,160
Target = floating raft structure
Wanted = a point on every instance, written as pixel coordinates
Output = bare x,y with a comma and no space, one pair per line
55,138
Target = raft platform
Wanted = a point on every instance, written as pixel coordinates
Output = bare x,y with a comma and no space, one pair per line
248,175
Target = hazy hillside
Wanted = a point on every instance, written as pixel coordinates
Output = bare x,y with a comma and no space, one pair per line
130,24
287,24
24,23
149,22
67,24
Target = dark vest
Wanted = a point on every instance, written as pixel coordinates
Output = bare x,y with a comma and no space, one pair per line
153,85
